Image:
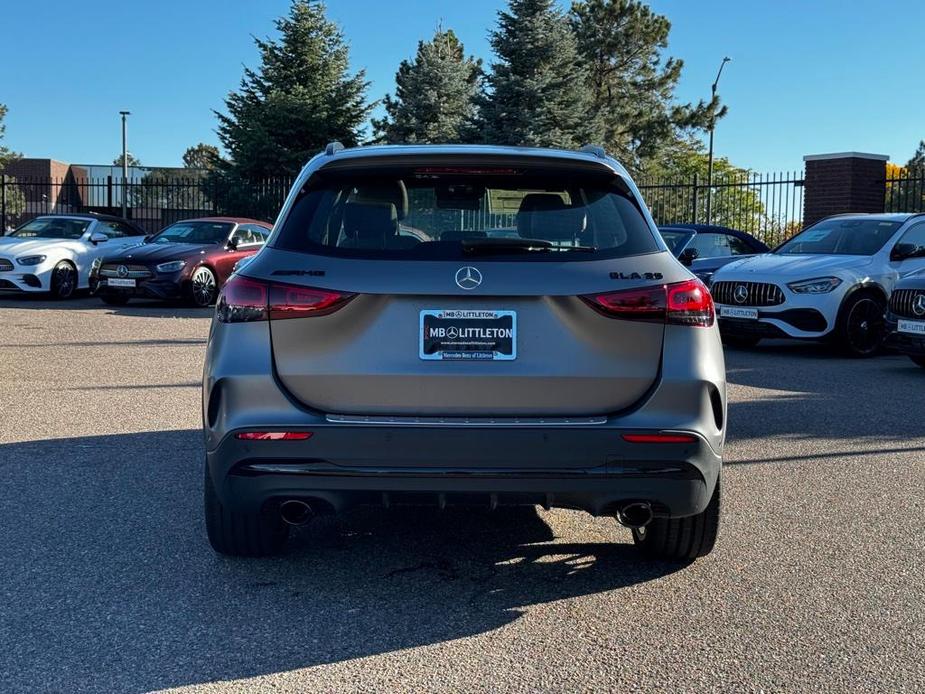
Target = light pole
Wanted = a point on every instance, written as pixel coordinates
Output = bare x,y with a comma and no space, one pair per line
710,156
124,115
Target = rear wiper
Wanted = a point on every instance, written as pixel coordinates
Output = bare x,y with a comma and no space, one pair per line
508,245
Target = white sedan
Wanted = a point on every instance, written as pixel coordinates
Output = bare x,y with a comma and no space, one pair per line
832,282
54,253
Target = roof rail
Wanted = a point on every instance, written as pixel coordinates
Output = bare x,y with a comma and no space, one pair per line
596,150
333,148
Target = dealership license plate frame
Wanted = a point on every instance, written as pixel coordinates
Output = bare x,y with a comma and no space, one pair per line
462,316
738,312
911,327
121,283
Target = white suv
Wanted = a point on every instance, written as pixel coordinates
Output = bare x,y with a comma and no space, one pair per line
831,281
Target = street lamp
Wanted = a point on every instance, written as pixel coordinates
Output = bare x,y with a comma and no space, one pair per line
710,156
124,114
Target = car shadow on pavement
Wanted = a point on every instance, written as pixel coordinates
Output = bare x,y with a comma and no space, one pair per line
86,302
110,584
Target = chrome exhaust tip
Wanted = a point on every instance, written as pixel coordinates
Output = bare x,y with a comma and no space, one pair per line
295,512
635,515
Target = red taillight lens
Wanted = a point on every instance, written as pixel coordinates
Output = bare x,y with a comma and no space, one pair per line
682,303
244,299
659,438
274,435
690,303
291,301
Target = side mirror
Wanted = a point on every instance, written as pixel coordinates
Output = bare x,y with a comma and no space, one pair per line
904,251
98,237
148,238
232,244
688,256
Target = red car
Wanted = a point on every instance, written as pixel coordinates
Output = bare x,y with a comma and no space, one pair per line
189,260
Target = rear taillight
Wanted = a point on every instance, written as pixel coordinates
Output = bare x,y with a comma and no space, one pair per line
682,303
244,299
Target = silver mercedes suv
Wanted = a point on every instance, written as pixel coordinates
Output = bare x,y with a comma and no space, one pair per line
464,325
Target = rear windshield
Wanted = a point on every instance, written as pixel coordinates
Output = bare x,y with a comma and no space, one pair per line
841,236
432,213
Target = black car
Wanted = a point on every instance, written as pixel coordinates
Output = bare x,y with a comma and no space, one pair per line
705,248
905,318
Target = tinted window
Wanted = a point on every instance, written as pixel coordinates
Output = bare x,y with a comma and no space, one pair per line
52,228
428,213
841,236
117,230
739,247
676,239
710,245
194,232
915,236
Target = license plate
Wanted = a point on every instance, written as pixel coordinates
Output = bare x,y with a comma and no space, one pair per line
915,327
738,312
116,282
468,335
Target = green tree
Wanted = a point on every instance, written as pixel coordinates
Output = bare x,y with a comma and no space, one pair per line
130,158
15,201
434,96
202,156
537,90
632,87
300,98
668,189
917,161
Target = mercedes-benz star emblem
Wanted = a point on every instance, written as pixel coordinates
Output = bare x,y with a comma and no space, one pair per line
468,277
918,305
122,271
740,294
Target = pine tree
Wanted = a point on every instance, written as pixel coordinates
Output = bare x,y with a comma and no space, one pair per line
917,162
621,43
299,99
434,96
537,90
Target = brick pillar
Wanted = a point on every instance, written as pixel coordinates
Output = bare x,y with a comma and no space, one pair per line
843,182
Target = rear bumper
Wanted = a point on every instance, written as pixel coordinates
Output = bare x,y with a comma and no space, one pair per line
588,468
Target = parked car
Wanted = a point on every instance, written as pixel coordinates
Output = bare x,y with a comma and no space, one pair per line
906,316
705,248
830,282
576,364
53,253
189,260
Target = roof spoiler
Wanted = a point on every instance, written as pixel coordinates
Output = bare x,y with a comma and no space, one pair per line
333,148
596,150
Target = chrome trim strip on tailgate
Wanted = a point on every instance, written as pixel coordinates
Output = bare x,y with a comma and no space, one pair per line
465,421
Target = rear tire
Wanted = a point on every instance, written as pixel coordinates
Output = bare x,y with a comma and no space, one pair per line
861,326
919,360
239,534
114,299
682,538
741,341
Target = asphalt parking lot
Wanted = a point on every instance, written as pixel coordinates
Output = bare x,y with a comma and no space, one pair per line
108,583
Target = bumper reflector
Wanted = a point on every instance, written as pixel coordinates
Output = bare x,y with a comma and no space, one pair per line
274,435
659,438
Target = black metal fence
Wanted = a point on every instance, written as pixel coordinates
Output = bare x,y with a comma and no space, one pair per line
905,190
768,206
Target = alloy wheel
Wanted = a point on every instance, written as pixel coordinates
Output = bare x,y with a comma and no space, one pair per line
203,287
865,326
64,281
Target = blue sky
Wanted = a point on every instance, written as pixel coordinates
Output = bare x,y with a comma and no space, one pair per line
806,77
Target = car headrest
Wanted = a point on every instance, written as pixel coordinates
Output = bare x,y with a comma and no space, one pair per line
545,216
380,192
370,225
